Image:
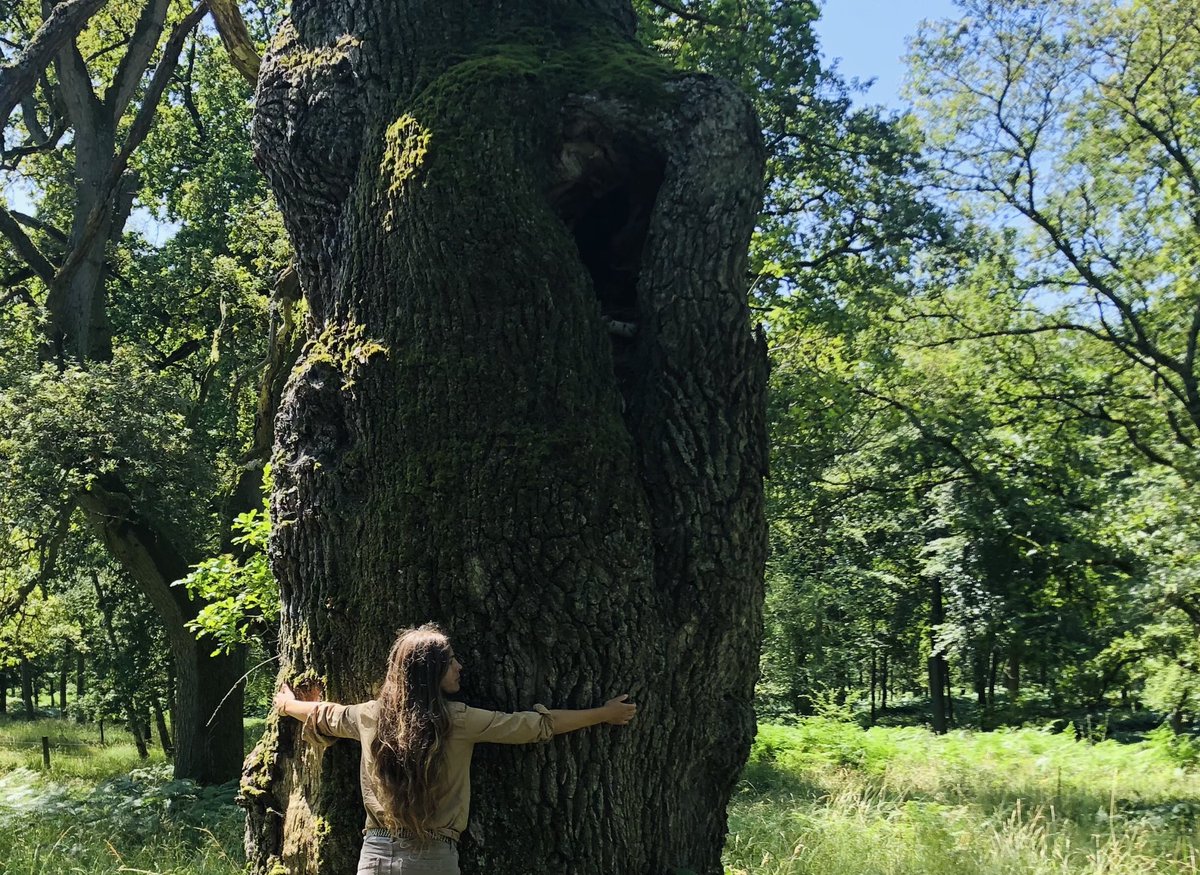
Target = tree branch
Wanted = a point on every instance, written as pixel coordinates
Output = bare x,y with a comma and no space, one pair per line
25,248
50,546
76,88
1192,611
232,28
135,61
61,26
138,132
38,225
686,14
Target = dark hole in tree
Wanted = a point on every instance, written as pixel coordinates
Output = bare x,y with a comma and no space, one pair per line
607,207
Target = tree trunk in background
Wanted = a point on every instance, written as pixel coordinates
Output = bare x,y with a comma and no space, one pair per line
531,409
950,718
135,729
883,682
1012,678
3,691
160,722
64,669
979,671
874,677
208,733
936,668
993,669
1176,719
27,689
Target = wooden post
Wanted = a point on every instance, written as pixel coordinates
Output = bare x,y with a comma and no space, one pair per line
46,752
102,730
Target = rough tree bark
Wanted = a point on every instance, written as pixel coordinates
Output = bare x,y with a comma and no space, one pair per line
530,408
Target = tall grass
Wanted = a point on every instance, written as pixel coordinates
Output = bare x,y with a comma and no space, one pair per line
76,751
817,798
102,809
827,797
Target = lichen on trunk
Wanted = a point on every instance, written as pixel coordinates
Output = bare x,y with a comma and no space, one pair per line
531,409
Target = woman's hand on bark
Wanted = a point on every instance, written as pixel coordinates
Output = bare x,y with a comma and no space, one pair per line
283,696
618,711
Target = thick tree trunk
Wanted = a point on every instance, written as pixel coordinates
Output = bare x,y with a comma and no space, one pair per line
78,327
530,409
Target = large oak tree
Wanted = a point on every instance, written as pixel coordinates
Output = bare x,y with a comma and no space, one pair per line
530,408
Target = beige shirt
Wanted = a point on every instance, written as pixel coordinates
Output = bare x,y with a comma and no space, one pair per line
468,727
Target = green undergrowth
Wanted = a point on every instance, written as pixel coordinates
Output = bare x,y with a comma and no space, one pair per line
824,796
102,809
817,797
140,821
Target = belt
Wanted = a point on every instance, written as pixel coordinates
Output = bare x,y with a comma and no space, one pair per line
404,834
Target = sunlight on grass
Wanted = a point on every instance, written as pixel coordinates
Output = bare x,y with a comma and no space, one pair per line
825,797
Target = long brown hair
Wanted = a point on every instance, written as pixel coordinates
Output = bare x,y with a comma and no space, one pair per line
414,721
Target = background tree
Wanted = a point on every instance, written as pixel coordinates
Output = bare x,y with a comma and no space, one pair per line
140,380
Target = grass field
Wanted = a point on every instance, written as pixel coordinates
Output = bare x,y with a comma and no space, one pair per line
817,798
825,797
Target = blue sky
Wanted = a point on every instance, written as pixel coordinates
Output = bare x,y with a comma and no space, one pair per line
870,36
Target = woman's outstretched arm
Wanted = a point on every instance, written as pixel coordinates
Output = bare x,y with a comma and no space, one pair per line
616,711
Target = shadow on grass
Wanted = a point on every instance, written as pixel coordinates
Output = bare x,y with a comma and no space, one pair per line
765,778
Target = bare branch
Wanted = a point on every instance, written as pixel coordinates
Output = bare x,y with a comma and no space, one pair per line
19,294
38,225
232,28
76,88
188,100
687,14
